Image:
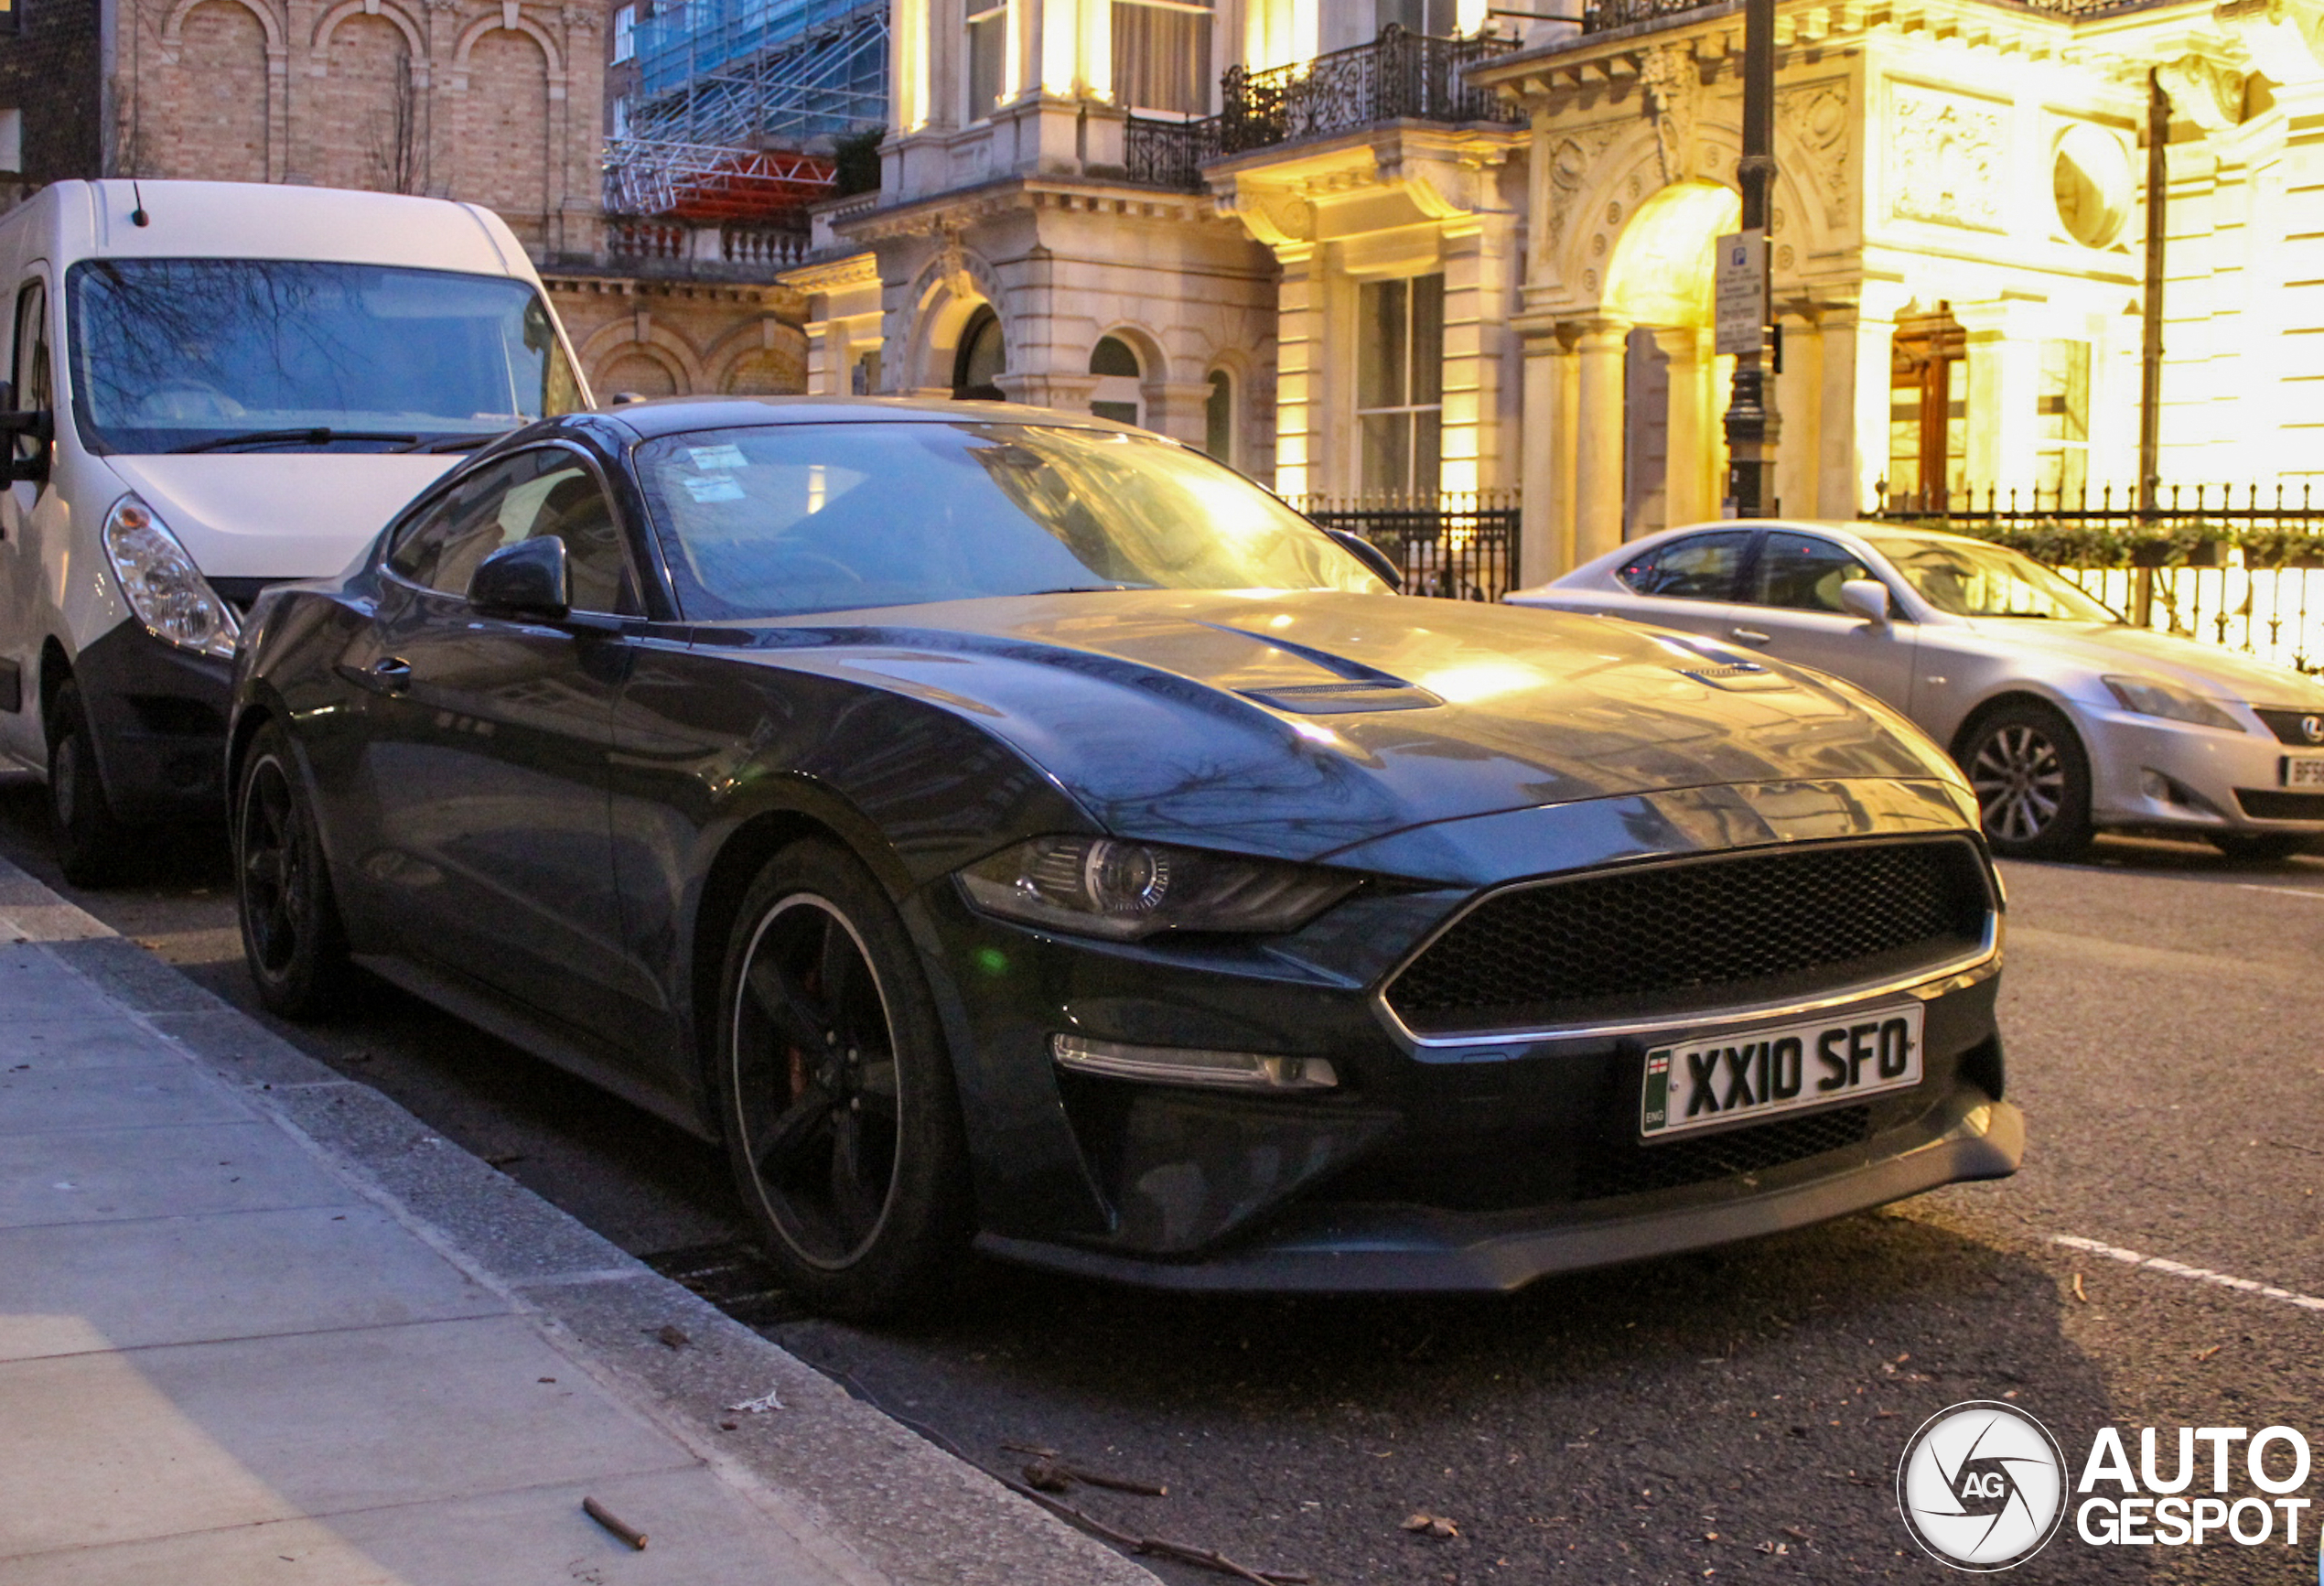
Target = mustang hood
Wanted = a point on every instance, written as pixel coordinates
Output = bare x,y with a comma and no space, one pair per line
276,514
1298,724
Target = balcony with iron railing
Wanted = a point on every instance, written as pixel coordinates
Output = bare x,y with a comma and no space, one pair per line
1398,76
1608,16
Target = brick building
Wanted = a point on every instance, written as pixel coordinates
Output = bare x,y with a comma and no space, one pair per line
493,101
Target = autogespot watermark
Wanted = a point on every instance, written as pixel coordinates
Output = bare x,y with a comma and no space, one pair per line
1985,1487
1982,1485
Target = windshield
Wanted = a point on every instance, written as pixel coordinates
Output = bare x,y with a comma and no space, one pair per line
828,517
177,354
1971,579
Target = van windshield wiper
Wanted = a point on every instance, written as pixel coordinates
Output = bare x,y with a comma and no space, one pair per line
313,436
457,440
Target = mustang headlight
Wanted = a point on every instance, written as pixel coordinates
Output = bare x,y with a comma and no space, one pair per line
2153,696
1103,887
161,583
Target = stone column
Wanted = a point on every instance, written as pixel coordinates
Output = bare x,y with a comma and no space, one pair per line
1798,394
1875,337
1684,480
1477,258
2005,372
1298,395
1061,393
1598,439
1840,491
1545,542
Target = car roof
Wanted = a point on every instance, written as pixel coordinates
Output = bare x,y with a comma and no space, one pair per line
1868,529
674,414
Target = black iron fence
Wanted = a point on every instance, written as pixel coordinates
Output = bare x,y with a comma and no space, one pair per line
1397,75
1602,16
2237,565
1459,545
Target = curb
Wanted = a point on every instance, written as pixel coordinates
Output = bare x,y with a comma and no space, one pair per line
869,1500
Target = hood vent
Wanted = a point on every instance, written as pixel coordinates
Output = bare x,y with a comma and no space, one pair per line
1343,698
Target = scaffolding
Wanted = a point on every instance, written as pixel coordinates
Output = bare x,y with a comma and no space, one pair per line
755,73
710,182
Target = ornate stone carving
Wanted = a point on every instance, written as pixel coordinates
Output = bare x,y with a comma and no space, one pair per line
1816,114
2207,92
1672,91
1569,165
1945,156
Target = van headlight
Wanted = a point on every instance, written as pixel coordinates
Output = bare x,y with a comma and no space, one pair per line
162,585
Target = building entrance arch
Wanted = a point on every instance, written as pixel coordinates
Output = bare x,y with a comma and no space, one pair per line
1658,301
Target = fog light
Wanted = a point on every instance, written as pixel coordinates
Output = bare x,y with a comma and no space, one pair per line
1193,1065
2169,790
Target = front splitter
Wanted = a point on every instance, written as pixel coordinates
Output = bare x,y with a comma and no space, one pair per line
1375,1249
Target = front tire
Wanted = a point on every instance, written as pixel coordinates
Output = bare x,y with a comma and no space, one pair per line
292,938
2031,777
835,1090
92,847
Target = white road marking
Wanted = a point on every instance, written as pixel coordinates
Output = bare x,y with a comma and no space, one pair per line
2288,891
2179,1269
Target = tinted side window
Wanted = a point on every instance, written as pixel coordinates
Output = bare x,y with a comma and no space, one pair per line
1698,568
1804,572
538,492
29,370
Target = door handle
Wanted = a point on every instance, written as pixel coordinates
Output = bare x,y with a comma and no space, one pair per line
392,673
1748,635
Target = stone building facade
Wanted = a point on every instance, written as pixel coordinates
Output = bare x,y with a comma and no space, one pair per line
1959,247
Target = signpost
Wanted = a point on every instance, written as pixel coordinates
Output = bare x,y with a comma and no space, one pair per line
1751,411
1738,293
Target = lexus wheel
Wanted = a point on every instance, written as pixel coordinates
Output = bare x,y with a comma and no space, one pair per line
2032,781
291,934
92,847
836,1092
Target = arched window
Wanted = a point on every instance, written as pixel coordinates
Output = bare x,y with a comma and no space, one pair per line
1118,395
1218,417
976,368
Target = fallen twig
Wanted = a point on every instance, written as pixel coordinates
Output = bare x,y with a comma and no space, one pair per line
613,1523
1054,1475
1185,1553
2080,1294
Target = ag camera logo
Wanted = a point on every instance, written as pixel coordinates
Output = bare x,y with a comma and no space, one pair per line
1982,1486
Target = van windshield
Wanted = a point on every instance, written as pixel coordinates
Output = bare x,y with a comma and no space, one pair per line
229,355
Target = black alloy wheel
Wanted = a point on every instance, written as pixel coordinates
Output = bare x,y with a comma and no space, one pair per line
2032,781
292,939
837,1092
2261,847
92,847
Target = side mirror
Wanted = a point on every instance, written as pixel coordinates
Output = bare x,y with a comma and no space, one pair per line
526,579
1865,599
1383,566
29,465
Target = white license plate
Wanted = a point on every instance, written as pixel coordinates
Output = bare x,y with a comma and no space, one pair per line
1707,1081
2304,770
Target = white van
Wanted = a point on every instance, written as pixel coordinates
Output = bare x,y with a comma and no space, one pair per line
213,386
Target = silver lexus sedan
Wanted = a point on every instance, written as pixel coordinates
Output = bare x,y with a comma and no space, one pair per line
2067,719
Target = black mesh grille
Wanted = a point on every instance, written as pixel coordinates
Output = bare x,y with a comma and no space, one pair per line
2291,726
1670,938
1640,1169
2265,805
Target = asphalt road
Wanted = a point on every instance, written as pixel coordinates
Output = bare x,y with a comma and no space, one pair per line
1730,1416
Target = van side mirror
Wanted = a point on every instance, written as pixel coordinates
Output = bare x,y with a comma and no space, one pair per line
1380,564
1867,599
526,579
22,463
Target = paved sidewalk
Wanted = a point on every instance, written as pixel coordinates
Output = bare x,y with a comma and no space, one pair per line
257,1324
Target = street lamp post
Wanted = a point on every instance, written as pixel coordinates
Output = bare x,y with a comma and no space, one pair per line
1751,423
